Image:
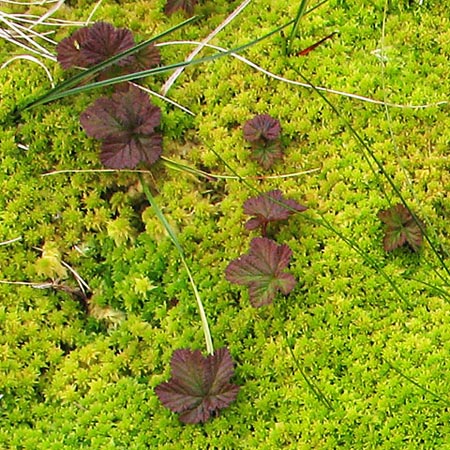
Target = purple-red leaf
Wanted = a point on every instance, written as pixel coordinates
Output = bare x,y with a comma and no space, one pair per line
263,127
105,41
174,5
144,59
269,208
263,132
92,45
401,228
69,50
126,125
199,386
121,152
266,153
262,269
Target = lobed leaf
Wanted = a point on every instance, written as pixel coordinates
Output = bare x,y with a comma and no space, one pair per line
199,386
126,125
263,271
401,228
268,208
262,127
92,45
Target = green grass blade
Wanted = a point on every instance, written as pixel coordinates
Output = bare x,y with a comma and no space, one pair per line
58,93
444,294
73,81
174,239
300,13
369,154
63,90
415,383
314,389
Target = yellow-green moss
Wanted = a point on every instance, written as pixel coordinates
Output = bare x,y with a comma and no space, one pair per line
68,380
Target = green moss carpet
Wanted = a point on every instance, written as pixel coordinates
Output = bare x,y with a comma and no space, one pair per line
369,329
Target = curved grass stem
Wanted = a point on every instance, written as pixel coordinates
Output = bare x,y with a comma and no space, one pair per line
174,239
369,155
301,84
415,383
311,385
175,165
32,59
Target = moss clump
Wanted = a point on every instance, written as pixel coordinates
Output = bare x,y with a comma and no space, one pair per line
70,380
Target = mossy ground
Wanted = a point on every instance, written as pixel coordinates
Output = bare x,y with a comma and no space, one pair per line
69,380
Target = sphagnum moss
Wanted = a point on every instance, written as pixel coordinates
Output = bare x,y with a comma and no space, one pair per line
68,382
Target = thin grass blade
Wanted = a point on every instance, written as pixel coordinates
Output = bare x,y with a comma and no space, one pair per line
415,383
77,79
60,92
300,13
370,157
174,239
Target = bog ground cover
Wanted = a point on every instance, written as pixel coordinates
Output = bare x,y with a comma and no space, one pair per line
253,256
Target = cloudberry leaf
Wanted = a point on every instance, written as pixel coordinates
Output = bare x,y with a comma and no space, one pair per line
401,228
126,125
199,386
263,132
144,59
262,269
92,45
267,208
266,153
105,41
69,50
174,5
262,126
